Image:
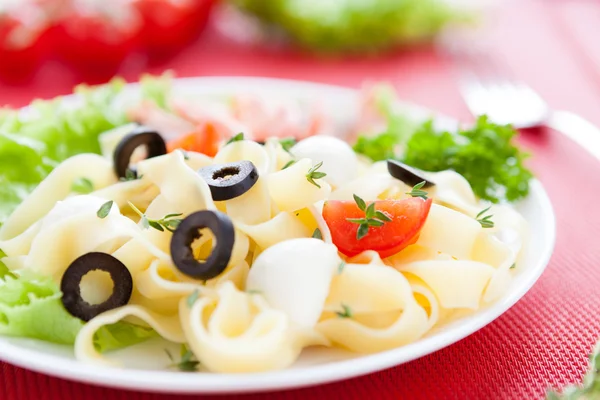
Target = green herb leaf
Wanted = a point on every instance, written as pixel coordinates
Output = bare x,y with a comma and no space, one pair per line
168,222
82,185
288,164
374,222
287,143
513,266
373,218
486,221
317,234
314,174
172,215
192,298
237,138
362,231
187,363
253,291
104,210
186,156
345,313
341,267
484,154
154,224
417,192
360,202
130,175
380,215
370,211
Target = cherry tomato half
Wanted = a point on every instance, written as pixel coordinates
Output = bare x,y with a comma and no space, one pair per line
97,36
170,24
408,217
24,41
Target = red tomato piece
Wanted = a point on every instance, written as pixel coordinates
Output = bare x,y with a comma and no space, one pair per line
205,139
408,217
170,24
24,41
97,35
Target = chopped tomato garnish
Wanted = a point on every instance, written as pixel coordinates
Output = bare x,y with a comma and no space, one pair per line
205,139
406,219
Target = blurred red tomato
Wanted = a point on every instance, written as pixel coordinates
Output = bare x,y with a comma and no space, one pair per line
98,35
170,24
24,41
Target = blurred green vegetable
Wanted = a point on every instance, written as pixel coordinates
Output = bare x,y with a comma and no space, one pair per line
484,154
353,26
590,388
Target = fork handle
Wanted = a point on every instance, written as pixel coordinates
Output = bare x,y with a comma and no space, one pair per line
578,129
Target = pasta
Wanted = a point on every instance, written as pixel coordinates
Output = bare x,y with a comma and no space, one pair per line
310,246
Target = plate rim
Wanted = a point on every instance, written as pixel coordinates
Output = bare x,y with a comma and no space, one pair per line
177,382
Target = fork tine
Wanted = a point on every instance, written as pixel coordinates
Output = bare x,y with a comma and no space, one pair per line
488,88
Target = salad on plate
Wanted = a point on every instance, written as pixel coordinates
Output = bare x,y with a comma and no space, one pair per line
246,229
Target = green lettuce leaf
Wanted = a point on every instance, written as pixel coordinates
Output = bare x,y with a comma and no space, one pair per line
120,335
354,26
31,307
33,143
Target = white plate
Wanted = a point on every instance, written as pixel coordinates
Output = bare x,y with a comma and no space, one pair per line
315,365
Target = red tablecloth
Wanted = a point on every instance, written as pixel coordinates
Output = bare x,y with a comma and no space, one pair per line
542,341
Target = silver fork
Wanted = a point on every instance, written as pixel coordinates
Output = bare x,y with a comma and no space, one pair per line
488,88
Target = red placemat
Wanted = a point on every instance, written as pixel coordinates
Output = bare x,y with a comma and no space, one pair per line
544,339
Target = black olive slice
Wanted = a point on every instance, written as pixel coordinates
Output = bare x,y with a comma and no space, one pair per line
228,181
188,231
407,174
140,136
71,280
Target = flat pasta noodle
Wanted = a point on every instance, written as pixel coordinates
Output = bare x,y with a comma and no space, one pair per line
233,331
452,190
60,239
426,299
456,283
367,187
321,224
245,150
492,251
253,207
291,190
284,226
440,232
140,192
161,170
387,318
277,155
109,140
57,186
167,327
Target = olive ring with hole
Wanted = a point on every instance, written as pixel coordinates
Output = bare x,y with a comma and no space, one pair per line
189,230
71,280
140,136
407,174
228,181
